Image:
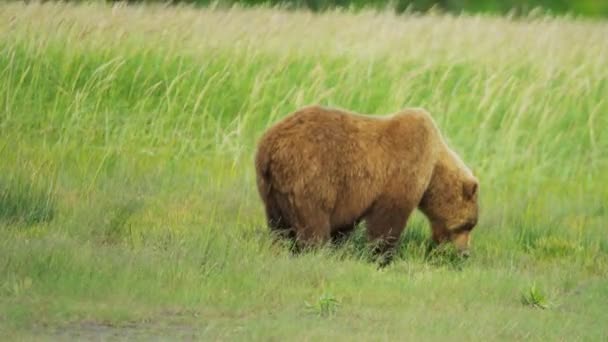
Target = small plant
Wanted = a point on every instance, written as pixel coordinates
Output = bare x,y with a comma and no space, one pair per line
534,297
326,306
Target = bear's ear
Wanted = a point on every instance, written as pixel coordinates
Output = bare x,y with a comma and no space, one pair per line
469,189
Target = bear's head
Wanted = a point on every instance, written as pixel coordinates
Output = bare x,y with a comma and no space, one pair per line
450,201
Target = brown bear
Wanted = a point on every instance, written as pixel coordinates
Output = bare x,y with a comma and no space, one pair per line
320,171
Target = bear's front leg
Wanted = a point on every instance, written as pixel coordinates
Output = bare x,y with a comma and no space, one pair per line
385,223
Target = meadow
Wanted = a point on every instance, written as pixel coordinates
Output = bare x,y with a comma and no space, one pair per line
128,205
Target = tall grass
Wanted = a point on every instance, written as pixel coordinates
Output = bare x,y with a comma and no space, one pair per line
126,143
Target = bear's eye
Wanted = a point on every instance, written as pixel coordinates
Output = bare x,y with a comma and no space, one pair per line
467,227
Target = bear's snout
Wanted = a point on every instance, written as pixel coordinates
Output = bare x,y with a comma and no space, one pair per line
461,241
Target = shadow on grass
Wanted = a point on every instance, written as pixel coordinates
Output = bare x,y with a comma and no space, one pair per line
415,244
24,203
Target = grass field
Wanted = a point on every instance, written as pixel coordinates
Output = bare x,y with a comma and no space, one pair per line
128,204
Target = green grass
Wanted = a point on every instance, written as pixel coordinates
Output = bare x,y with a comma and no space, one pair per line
128,203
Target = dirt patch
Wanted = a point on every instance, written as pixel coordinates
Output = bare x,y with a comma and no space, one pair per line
128,331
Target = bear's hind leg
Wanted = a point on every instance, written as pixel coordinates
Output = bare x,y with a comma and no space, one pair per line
385,223
278,222
312,226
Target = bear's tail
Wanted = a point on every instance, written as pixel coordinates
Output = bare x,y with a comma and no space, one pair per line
277,219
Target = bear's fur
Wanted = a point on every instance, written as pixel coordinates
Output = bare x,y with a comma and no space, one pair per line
320,171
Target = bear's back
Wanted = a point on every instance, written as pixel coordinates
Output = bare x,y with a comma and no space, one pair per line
321,122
